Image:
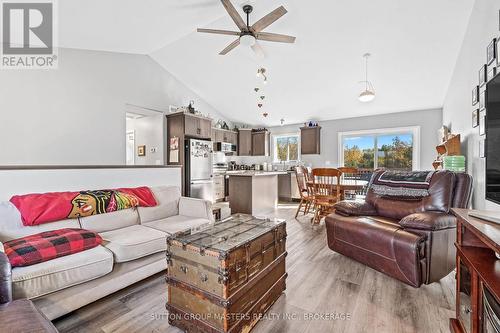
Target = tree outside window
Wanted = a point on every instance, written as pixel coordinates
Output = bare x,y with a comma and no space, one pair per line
286,148
391,151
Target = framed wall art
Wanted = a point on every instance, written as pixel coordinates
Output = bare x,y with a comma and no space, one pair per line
491,52
491,73
475,95
481,149
475,118
141,150
483,73
482,122
482,99
497,46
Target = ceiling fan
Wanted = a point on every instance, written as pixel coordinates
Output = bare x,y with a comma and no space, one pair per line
249,34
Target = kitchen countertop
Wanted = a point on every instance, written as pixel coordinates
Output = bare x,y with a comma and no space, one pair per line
253,173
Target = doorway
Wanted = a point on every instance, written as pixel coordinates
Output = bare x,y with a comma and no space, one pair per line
144,136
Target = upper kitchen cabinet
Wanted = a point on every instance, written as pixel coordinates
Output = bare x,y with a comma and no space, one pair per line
182,126
221,135
197,127
260,143
245,142
310,140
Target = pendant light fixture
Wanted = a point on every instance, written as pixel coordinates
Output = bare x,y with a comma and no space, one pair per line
368,94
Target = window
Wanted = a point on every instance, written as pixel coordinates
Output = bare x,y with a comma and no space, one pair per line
395,148
286,147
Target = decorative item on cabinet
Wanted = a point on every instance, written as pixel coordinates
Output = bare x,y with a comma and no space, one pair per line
310,140
191,107
450,147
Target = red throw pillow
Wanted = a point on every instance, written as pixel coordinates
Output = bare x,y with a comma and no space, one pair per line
38,208
49,245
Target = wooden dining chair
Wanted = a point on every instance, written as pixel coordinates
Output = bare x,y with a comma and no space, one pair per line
306,199
326,191
350,176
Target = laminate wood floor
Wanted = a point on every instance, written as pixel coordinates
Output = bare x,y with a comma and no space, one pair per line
326,292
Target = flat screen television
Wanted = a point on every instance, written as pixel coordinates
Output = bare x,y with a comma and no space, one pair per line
492,141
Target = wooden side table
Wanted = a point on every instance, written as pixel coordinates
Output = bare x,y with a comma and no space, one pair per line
21,316
478,272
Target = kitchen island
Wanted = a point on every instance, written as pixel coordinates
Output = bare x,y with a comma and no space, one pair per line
253,192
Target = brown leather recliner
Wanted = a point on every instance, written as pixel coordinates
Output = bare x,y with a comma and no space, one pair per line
410,240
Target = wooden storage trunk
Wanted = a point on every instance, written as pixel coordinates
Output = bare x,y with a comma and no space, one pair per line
221,279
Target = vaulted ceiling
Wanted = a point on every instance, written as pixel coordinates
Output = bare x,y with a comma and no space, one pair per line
414,46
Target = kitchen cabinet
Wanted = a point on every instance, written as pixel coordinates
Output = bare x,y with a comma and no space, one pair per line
232,137
288,188
197,127
183,126
245,142
219,183
221,135
260,143
310,140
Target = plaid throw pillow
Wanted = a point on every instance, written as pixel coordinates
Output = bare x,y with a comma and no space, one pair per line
49,245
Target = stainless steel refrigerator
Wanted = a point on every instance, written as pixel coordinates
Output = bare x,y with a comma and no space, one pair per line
199,175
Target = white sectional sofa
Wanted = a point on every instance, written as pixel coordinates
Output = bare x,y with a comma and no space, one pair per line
133,249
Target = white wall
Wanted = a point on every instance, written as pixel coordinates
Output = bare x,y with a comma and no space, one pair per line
149,132
57,180
75,115
457,110
428,120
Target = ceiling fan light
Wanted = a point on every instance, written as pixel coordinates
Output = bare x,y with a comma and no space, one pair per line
247,40
366,96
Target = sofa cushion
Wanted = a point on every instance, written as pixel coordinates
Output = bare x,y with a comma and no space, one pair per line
49,245
134,242
53,275
11,226
110,221
177,223
167,198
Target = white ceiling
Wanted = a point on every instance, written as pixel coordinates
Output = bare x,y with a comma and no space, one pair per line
414,46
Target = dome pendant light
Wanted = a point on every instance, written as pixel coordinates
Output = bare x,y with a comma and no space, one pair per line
368,94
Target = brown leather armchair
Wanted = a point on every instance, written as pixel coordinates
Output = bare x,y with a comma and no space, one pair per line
410,240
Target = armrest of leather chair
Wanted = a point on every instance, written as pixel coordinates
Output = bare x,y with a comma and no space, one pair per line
5,278
355,208
429,221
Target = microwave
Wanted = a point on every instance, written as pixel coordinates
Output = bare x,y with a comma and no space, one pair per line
225,147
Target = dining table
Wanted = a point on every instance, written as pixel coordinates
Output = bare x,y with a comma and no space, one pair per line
345,185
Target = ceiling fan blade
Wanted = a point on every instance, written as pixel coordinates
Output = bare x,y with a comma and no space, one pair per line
220,32
230,47
234,14
259,51
270,37
269,19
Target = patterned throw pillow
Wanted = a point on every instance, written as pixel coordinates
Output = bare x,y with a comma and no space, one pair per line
49,245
